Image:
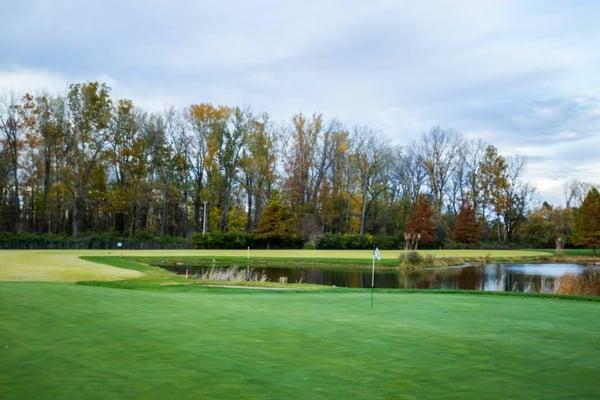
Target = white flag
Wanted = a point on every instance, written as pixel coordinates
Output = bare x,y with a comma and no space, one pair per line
377,254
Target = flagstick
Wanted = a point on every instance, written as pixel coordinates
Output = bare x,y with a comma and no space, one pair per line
372,280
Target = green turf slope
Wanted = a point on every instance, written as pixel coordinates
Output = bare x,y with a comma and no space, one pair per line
72,341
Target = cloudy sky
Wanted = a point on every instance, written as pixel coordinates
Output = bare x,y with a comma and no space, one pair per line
523,75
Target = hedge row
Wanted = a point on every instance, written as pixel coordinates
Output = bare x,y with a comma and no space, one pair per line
93,241
354,242
243,240
218,240
215,240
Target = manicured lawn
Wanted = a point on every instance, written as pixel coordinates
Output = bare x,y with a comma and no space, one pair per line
176,340
72,341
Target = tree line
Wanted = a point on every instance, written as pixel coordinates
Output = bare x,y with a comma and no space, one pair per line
85,162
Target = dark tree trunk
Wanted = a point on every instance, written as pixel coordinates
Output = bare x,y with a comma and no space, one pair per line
165,209
132,219
44,223
120,222
78,206
16,209
249,221
225,204
197,213
258,207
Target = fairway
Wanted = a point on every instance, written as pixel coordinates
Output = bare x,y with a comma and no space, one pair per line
56,266
66,266
72,341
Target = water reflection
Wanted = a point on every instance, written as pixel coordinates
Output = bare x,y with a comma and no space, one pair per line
537,278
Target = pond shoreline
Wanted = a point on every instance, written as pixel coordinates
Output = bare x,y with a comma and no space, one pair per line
496,275
354,263
156,278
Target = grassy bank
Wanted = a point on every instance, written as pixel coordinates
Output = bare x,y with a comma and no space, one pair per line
157,278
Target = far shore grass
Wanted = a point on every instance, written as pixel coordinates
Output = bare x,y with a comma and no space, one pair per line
360,259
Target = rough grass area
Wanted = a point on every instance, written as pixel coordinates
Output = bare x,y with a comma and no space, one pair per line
73,341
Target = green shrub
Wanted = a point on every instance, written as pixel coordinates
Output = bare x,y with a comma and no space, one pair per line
330,241
411,257
311,243
350,241
221,240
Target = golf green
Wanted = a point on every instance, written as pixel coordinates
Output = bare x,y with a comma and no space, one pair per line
72,341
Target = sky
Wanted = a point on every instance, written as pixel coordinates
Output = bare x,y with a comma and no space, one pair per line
522,75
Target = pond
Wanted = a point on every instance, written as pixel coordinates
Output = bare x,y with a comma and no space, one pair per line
536,278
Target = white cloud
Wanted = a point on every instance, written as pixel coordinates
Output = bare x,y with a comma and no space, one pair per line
15,80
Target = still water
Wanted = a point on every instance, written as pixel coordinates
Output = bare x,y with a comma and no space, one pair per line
488,277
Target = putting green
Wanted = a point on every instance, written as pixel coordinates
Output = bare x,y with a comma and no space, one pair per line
66,266
70,341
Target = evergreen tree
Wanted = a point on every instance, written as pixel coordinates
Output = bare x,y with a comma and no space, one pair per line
421,224
466,229
276,223
587,223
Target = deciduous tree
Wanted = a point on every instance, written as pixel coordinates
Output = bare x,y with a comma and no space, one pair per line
90,108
